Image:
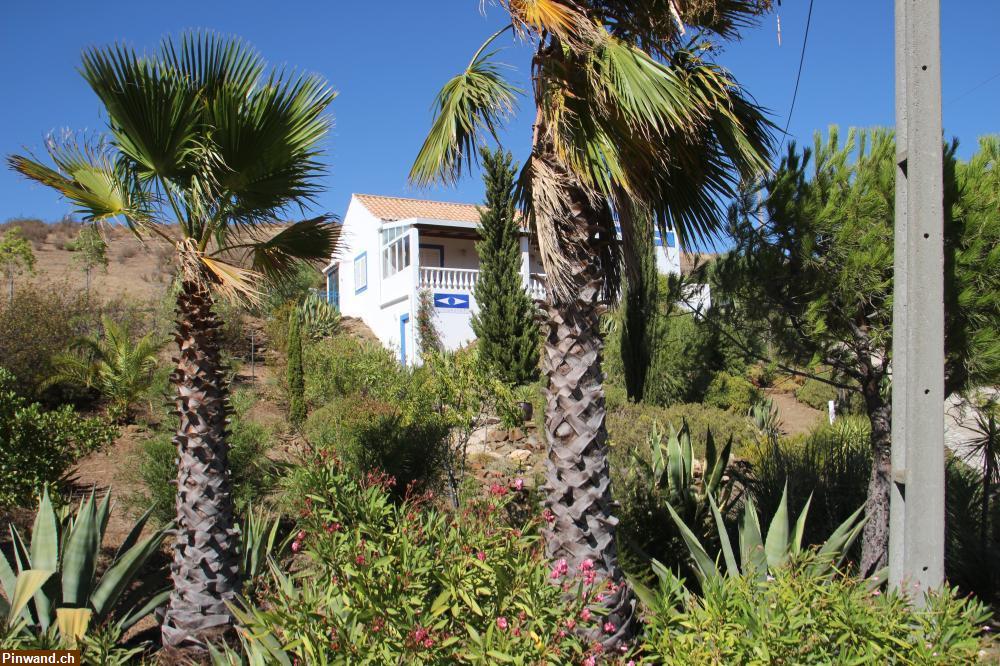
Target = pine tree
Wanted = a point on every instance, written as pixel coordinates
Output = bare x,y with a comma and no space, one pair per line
296,380
639,308
505,325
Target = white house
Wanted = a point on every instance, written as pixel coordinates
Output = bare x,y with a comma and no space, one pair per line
392,249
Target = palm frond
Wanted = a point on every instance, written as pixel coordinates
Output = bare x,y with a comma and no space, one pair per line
312,240
469,106
564,18
91,179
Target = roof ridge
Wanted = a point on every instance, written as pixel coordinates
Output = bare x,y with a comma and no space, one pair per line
414,199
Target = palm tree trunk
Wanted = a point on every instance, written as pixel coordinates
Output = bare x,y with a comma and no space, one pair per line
875,539
578,478
205,570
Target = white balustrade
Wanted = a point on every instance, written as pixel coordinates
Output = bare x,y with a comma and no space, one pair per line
464,280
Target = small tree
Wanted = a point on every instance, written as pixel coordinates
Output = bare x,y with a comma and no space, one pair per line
639,310
16,257
815,263
90,251
428,336
505,326
296,378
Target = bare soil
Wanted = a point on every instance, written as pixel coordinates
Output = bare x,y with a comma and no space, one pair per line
796,417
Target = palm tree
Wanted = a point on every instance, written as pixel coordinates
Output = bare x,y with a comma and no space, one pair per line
204,150
629,122
119,368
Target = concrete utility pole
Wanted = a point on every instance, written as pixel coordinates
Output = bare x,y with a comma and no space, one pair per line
916,530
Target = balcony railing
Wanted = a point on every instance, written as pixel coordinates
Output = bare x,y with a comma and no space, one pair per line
464,279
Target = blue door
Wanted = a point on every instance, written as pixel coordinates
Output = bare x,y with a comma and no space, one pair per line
333,288
403,321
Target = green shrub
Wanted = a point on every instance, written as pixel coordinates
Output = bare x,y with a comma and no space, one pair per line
253,473
343,365
296,381
797,617
39,447
630,424
36,326
972,545
383,583
372,436
733,393
684,360
832,463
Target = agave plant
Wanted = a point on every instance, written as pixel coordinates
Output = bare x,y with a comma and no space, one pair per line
53,582
671,470
319,318
759,555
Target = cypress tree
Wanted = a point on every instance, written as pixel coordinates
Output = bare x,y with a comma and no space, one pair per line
296,379
505,324
639,308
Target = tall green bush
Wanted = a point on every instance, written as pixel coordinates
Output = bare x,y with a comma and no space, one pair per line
296,379
684,362
507,335
639,311
732,393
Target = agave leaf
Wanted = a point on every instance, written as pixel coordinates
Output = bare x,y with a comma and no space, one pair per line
137,614
45,556
72,624
21,557
776,544
732,568
103,513
800,527
675,462
710,460
135,533
8,579
687,451
656,454
646,595
28,582
719,466
751,543
80,556
704,567
122,572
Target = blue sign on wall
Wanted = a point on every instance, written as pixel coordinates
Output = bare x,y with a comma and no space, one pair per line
457,301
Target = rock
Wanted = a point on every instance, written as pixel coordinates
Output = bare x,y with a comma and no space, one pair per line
497,435
520,455
515,434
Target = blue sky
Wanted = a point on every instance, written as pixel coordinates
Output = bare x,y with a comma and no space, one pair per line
388,59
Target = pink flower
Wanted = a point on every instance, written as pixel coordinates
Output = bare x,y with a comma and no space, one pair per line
590,661
587,565
359,560
481,556
560,569
502,623
428,642
570,623
585,615
301,535
497,490
548,516
296,546
518,485
589,577
333,527
562,633
609,627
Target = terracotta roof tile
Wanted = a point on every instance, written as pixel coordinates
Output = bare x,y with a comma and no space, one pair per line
398,208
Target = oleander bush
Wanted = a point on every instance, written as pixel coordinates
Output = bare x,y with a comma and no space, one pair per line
380,582
342,365
796,616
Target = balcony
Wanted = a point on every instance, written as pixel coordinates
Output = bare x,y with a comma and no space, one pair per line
464,280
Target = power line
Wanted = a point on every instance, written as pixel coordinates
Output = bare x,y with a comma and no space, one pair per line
973,89
798,77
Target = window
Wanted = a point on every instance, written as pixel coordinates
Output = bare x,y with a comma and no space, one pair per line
360,272
395,250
